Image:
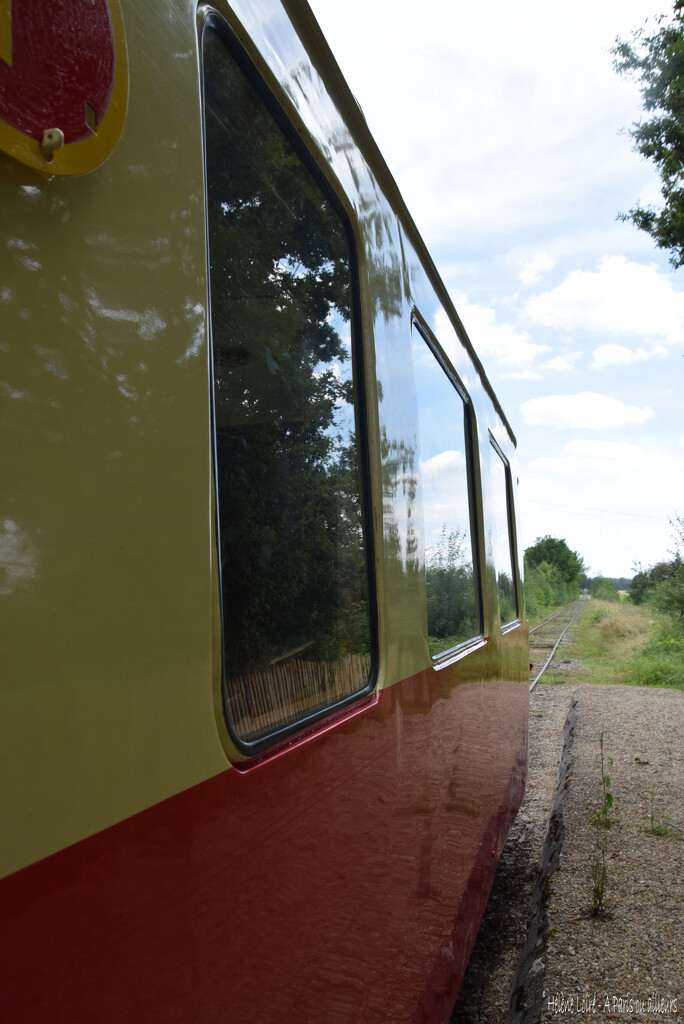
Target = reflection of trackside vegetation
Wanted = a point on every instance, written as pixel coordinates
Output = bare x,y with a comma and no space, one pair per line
507,607
451,610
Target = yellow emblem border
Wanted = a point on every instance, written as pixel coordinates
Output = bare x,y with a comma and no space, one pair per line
87,154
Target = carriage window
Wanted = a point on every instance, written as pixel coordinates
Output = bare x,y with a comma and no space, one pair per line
451,586
295,610
501,535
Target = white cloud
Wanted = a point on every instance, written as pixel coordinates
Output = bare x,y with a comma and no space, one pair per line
514,350
517,356
586,411
518,107
606,451
621,297
444,462
535,268
564,362
584,460
620,355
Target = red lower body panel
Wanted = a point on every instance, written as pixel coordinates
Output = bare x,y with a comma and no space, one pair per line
342,881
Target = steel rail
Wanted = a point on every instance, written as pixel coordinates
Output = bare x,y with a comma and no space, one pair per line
543,622
555,648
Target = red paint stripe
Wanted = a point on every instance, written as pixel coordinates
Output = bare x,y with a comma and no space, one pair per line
321,887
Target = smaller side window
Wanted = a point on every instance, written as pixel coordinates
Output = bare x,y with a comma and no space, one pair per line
451,581
501,535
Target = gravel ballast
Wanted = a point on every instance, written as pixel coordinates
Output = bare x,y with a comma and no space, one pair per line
540,955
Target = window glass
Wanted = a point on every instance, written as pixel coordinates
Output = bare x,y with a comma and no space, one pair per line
296,628
500,535
451,590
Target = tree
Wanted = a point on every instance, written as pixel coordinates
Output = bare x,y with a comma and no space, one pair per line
552,574
669,595
657,60
646,580
557,553
663,584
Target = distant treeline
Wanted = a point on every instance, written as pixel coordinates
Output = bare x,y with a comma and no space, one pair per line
604,588
616,582
555,575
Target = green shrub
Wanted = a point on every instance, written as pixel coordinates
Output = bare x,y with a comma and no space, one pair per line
660,662
603,589
545,589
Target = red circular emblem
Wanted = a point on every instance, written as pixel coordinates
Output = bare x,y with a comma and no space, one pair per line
63,82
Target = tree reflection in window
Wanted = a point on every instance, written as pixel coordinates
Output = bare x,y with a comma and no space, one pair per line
296,630
500,536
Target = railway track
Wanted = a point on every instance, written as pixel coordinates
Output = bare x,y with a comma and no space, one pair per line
546,637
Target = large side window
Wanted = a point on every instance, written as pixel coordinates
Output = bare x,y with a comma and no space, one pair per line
443,420
297,633
501,534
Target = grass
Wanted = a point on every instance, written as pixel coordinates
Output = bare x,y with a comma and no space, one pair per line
625,643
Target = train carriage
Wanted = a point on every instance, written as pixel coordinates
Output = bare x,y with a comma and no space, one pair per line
264,652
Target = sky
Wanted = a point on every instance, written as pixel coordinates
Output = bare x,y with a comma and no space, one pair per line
504,126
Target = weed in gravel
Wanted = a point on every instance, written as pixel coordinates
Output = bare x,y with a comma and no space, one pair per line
601,821
656,826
